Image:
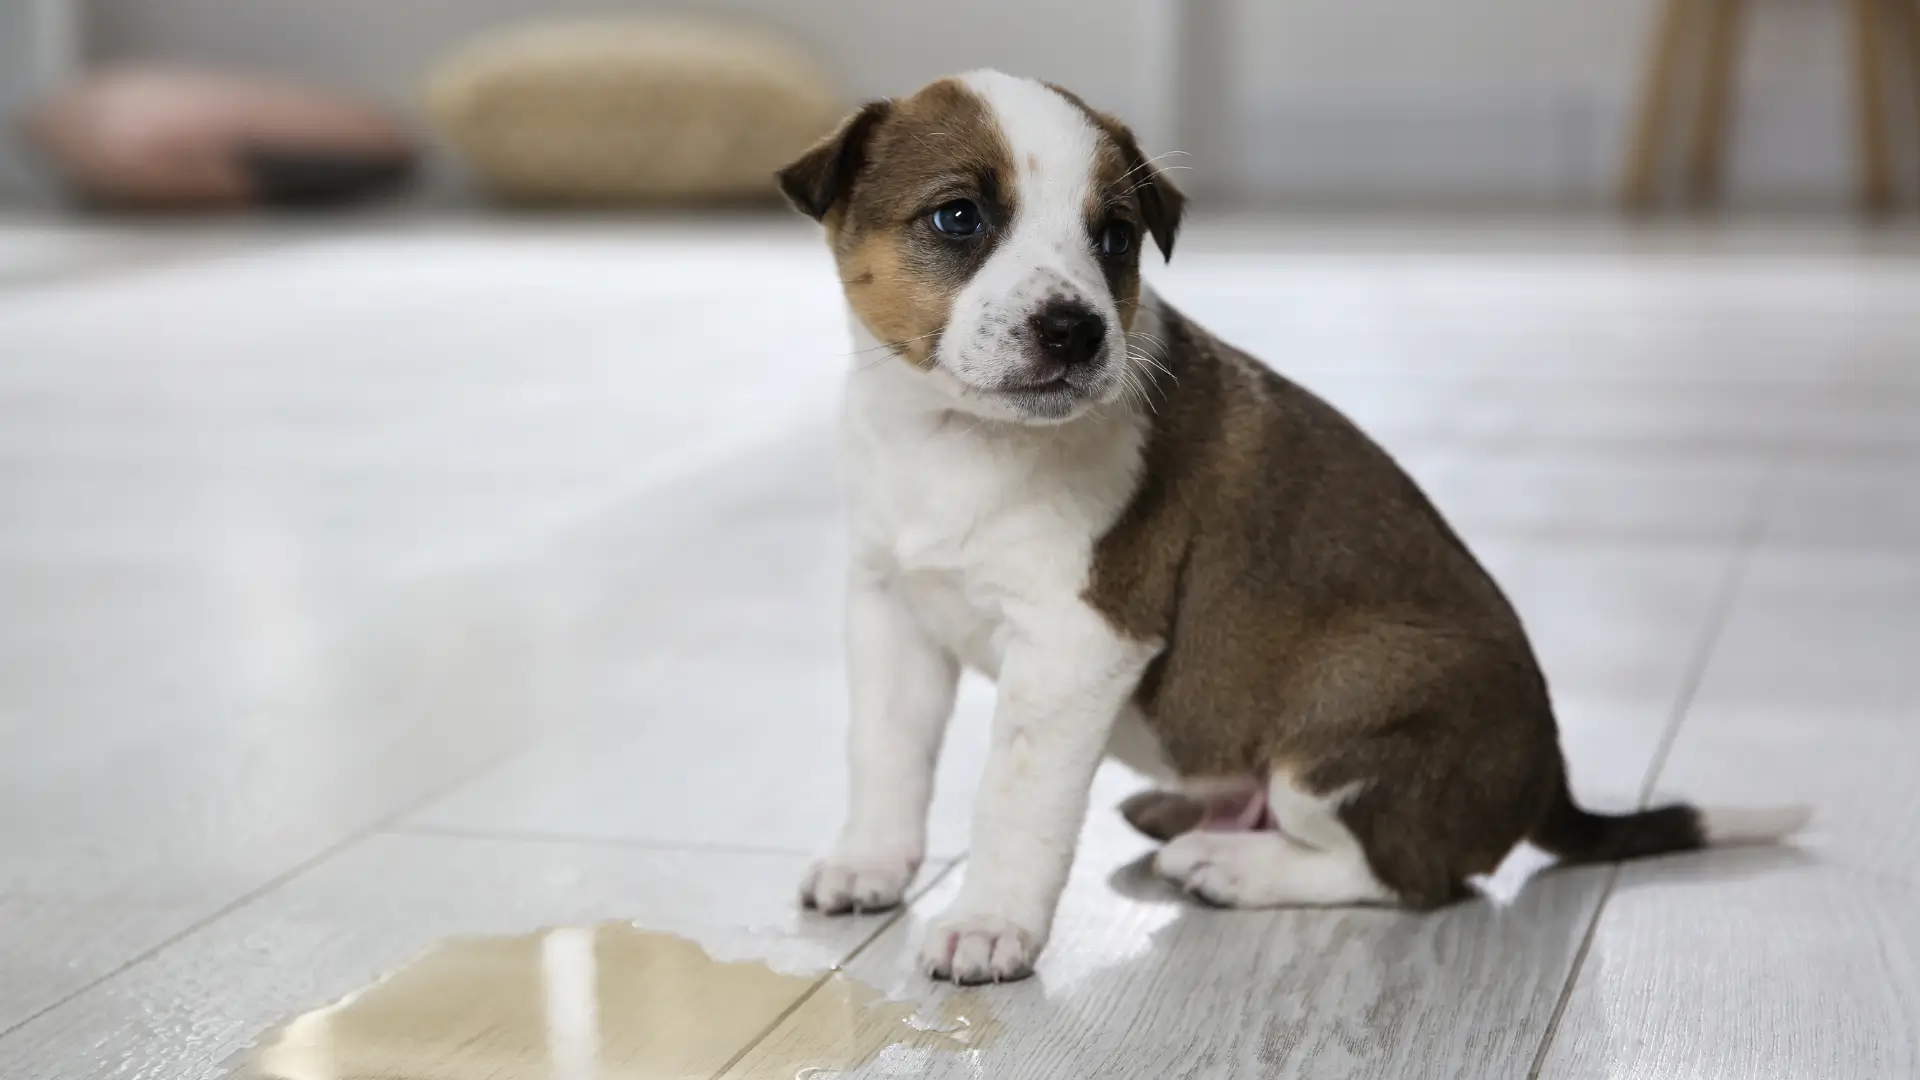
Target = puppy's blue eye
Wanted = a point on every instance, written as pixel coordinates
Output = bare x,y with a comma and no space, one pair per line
959,218
1116,238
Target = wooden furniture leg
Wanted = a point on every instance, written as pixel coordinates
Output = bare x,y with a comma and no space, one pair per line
1706,165
1870,108
1640,183
1907,12
1912,8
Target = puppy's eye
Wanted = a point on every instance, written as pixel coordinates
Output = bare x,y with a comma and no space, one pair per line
1116,238
959,219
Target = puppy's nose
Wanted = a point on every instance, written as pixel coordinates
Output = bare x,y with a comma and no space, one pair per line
1069,331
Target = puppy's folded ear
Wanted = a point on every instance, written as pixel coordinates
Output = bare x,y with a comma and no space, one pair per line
1161,204
824,174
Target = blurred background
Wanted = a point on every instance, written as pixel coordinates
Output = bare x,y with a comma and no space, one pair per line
1354,103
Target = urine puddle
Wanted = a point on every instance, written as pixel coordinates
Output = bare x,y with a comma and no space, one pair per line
608,1002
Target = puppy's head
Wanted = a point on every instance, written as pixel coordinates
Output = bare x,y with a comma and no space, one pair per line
989,231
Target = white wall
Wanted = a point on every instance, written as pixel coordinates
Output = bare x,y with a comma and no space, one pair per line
879,46
1342,100
39,40
876,47
1525,99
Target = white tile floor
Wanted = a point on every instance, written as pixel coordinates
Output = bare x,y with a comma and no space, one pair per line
358,589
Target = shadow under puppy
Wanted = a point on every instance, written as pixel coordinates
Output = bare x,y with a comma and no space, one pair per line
1158,548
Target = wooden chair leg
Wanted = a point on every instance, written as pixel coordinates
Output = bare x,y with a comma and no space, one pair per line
1908,14
1707,163
1870,108
1912,8
1639,184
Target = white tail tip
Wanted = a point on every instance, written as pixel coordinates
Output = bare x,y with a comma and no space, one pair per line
1752,825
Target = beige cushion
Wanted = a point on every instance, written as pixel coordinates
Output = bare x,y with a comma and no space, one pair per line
632,110
166,138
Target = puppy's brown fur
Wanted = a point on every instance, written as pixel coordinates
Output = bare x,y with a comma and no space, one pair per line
1321,619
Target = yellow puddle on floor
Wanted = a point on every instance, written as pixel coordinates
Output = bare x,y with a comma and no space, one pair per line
605,1003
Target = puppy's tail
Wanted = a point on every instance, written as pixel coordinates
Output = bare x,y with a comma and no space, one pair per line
1580,836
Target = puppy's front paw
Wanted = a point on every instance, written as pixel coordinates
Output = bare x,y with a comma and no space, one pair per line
842,884
974,949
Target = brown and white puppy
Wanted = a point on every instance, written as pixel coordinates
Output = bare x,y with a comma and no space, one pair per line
1158,548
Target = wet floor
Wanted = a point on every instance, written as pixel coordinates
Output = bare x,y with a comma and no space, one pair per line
609,1002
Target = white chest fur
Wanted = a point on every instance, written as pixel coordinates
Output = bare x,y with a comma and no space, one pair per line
976,525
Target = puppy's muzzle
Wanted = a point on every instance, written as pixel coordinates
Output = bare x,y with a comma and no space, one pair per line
1068,333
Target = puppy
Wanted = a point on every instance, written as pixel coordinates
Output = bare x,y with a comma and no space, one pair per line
1158,548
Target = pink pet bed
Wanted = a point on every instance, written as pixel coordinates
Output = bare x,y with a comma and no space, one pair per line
156,139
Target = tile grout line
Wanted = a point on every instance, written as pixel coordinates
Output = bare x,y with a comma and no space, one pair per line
853,954
1754,529
277,881
1573,974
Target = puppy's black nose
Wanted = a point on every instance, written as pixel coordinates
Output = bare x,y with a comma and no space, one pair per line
1069,331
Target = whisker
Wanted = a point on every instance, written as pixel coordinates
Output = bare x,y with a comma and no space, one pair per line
1149,163
1158,362
1134,387
1148,376
1150,337
1143,393
1144,182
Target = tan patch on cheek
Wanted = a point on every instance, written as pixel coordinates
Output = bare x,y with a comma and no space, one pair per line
896,306
935,146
